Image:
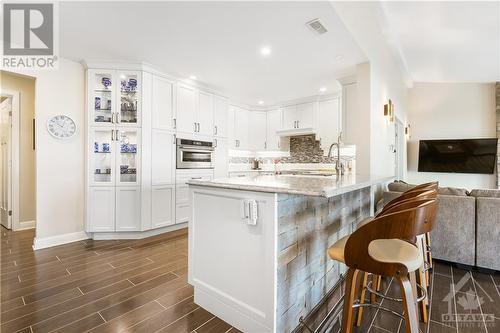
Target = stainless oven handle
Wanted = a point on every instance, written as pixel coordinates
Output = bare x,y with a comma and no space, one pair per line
195,148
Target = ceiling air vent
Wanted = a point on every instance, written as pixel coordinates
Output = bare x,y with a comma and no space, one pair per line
316,26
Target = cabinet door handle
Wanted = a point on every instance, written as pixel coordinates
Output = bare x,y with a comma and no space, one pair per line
215,143
112,135
174,123
298,124
195,127
174,137
118,117
265,144
198,127
215,130
279,143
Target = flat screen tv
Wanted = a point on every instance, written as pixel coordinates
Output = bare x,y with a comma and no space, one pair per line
458,156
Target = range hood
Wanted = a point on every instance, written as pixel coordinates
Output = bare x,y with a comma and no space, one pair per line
296,132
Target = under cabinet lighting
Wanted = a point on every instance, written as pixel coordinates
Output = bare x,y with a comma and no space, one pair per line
322,89
261,102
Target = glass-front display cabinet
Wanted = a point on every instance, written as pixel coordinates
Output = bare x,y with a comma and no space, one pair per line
102,156
114,98
114,156
128,156
129,98
102,96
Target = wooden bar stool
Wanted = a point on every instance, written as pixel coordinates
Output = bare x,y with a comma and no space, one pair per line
386,247
374,286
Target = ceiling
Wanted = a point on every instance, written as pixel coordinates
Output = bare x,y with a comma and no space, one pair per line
219,42
446,41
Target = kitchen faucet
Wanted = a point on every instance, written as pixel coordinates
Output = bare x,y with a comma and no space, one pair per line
339,166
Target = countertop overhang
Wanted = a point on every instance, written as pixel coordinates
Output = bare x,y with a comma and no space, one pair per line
295,184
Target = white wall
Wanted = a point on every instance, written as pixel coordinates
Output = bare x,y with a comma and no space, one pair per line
450,111
377,82
60,163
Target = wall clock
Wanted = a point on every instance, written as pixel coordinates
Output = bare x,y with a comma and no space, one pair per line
61,127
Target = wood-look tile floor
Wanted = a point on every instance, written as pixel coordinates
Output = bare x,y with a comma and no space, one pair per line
474,304
100,286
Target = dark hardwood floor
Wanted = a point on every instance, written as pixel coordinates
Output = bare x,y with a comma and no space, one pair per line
141,286
461,301
100,286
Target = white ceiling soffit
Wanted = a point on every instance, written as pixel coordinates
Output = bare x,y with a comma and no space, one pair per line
219,43
446,41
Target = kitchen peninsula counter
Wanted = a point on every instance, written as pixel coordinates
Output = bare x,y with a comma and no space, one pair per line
257,244
322,186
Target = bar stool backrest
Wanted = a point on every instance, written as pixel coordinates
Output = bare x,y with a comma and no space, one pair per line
405,197
418,216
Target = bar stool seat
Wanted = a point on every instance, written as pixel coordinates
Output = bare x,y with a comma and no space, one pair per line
396,251
384,250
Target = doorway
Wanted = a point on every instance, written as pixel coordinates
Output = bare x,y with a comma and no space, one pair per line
6,164
17,152
399,149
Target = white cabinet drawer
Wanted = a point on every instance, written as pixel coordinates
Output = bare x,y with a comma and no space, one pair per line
182,213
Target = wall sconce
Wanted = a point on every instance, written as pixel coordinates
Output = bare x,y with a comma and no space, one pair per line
389,111
407,131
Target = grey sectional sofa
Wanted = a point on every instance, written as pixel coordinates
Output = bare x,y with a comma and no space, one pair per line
467,229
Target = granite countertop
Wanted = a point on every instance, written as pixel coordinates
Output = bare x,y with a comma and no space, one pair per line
296,184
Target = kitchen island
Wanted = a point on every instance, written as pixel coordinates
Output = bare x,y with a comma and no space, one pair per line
257,244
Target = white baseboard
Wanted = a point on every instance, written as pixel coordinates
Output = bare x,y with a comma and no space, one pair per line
23,225
42,243
136,234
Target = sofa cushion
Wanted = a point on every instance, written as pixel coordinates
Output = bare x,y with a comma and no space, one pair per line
399,186
453,191
485,193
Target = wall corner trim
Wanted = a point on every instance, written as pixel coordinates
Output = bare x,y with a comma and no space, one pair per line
42,243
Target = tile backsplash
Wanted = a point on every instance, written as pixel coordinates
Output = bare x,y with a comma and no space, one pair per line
303,149
306,149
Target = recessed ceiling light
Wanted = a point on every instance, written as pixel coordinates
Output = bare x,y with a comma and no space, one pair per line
265,50
339,57
193,77
261,102
322,89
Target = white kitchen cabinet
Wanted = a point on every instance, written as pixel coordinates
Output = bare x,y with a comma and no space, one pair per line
128,209
221,117
328,125
273,124
162,157
194,111
298,116
221,158
114,97
186,109
205,114
101,209
257,130
163,105
305,113
114,156
290,117
241,128
182,202
163,206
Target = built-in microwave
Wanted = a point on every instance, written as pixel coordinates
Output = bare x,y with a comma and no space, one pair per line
193,154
